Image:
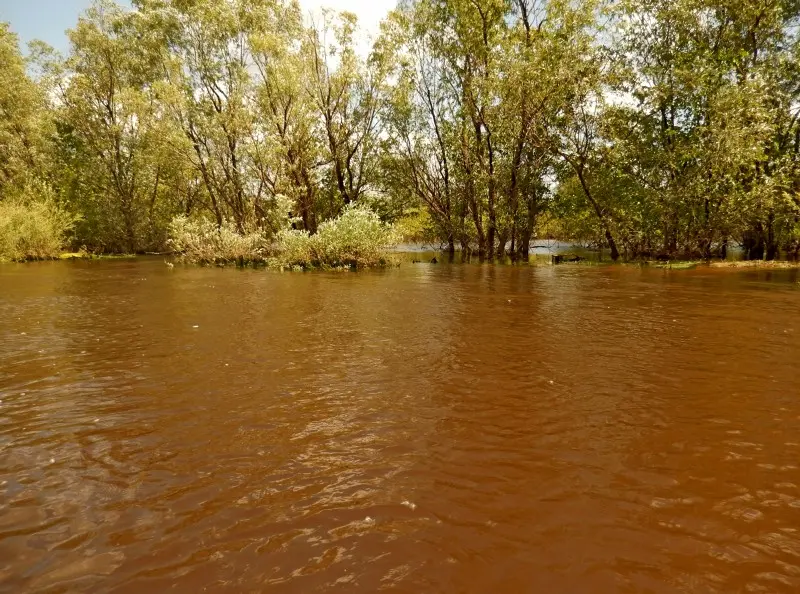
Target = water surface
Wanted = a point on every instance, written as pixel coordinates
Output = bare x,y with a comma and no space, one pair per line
432,428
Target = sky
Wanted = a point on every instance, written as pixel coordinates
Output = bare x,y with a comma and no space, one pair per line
48,19
43,19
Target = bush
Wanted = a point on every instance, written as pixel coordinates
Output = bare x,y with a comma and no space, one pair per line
202,242
355,239
33,229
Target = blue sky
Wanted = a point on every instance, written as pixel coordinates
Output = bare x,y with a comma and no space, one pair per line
43,19
49,19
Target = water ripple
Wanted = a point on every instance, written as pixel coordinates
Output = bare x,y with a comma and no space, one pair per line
451,428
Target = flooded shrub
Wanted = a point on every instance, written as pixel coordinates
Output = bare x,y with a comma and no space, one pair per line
33,226
292,248
201,241
355,239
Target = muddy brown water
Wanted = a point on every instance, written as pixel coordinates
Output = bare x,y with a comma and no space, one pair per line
450,428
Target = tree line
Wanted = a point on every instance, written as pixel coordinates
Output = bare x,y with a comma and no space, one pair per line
652,128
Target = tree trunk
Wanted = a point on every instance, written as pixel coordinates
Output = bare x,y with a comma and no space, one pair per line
671,235
501,245
753,243
600,215
130,234
526,233
772,246
613,245
476,219
524,246
492,234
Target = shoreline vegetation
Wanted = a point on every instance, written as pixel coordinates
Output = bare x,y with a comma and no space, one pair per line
357,238
391,259
243,132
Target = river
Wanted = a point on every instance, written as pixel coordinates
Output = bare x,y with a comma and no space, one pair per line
430,428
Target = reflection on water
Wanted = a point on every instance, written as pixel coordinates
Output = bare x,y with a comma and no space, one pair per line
458,428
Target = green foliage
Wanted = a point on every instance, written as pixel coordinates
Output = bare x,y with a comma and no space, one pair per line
569,218
661,128
33,226
355,239
201,241
416,226
703,143
24,125
117,156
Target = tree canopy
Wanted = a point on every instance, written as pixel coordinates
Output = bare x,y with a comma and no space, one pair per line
648,127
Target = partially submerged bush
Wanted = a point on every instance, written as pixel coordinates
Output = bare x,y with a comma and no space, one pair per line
355,239
33,228
201,241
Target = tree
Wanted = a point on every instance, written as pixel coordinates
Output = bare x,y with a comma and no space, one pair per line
111,118
346,93
24,122
286,133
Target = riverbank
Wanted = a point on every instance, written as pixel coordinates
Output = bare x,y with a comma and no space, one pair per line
423,256
88,256
722,264
536,260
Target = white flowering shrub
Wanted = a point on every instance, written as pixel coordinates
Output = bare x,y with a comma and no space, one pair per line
355,239
200,241
292,248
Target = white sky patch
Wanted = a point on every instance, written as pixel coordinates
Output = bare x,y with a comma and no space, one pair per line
370,13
